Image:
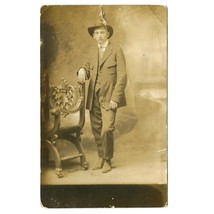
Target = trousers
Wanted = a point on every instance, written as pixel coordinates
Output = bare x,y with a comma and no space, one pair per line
102,125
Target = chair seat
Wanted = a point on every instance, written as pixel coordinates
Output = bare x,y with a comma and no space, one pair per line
69,130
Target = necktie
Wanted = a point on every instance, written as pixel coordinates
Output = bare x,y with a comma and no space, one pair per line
101,51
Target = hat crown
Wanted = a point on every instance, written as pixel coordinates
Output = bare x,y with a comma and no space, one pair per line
101,22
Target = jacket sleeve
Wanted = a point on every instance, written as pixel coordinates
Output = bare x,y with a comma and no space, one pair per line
85,64
121,76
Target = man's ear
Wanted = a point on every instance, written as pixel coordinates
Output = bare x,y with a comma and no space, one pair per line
108,34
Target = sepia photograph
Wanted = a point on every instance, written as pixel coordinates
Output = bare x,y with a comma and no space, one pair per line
107,106
103,106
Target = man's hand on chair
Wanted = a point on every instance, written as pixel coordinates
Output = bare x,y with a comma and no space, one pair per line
81,75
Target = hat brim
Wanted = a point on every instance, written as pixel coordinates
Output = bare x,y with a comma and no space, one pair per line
91,30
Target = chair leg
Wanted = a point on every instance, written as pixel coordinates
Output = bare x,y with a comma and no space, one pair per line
77,143
84,163
58,168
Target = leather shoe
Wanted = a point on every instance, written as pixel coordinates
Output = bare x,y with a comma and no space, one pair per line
106,166
99,164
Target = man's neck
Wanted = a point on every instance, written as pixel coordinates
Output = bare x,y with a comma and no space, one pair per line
104,44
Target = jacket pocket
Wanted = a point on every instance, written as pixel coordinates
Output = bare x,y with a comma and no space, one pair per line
110,65
111,68
111,71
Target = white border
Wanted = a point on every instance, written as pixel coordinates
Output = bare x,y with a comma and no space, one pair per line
190,106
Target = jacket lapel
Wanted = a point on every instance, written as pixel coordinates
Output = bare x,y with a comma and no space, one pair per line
95,55
107,53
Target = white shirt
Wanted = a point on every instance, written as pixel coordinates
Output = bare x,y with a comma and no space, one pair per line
102,48
103,45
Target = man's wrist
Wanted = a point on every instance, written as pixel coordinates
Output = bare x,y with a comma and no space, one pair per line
114,101
82,69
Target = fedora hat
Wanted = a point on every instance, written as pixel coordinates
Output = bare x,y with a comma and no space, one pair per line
100,23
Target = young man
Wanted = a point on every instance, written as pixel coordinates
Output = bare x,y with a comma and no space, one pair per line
106,71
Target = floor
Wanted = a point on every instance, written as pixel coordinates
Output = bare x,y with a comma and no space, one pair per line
140,155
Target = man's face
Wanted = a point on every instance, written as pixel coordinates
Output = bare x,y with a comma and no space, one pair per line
101,35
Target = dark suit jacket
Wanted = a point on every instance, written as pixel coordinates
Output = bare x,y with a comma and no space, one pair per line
112,76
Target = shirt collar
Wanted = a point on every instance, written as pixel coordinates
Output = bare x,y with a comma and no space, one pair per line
104,44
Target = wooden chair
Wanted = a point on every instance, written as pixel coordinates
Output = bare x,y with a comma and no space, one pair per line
63,99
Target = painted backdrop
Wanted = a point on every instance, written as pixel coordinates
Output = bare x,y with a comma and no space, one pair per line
141,31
